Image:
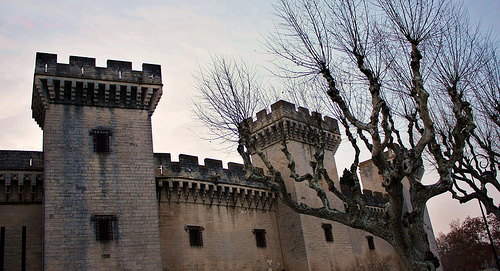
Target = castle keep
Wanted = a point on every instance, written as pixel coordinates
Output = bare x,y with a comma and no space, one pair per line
98,198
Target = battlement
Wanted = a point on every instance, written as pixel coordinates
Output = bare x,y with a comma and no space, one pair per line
21,160
369,197
189,182
299,125
82,83
85,67
21,177
189,168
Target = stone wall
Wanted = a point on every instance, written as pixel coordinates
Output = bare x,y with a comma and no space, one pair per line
21,190
154,203
304,243
18,220
229,241
80,183
99,205
227,207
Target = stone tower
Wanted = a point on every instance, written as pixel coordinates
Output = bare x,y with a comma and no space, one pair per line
303,237
99,208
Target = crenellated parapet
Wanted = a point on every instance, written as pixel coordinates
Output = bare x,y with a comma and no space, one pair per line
375,201
297,125
82,83
187,181
370,198
21,177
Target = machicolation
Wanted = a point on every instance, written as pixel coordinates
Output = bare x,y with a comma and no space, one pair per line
189,182
298,125
82,83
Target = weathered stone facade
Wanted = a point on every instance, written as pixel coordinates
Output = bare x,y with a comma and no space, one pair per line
97,198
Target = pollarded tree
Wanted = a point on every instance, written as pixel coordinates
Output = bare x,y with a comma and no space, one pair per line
475,176
401,76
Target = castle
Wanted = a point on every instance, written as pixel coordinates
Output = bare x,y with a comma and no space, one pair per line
98,198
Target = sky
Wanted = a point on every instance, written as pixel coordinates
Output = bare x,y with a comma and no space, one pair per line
178,35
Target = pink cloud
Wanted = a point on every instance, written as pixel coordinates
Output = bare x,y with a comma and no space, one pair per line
22,21
51,25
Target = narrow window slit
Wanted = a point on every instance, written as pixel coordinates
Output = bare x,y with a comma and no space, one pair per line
371,243
327,228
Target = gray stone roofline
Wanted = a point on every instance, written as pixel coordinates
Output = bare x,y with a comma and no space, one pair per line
370,198
283,109
21,177
46,64
187,181
21,160
299,125
189,168
82,83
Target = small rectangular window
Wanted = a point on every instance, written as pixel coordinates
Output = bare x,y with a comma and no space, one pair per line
371,243
260,237
327,228
101,140
104,225
195,235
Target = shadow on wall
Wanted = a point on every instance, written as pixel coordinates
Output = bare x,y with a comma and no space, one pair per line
373,261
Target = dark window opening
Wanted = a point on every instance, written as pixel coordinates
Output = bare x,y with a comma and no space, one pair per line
133,96
67,90
123,95
101,93
90,93
104,225
79,92
144,92
327,228
101,140
195,235
371,243
57,88
112,93
260,237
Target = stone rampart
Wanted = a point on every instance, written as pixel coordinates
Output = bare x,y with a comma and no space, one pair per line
189,182
375,201
82,83
370,198
299,125
21,177
85,68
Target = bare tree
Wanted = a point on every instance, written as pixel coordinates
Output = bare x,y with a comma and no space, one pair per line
475,176
403,78
230,92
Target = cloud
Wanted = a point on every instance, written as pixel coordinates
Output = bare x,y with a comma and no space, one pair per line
20,20
177,34
52,25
